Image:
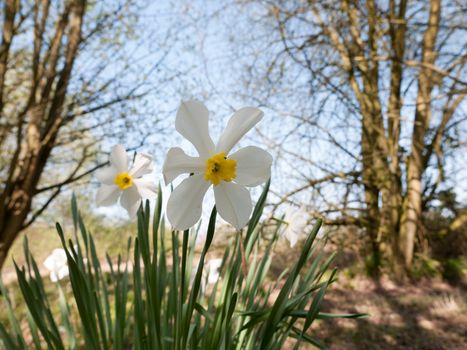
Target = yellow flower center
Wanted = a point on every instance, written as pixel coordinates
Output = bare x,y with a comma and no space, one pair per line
123,180
219,168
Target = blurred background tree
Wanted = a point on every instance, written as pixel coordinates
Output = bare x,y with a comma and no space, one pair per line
70,73
378,90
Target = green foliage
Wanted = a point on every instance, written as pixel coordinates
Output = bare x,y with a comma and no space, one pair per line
453,270
156,297
372,265
424,267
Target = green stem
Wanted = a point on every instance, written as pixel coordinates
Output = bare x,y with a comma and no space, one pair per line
243,255
183,334
199,272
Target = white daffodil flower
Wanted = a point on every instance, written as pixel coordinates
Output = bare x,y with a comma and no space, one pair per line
56,263
229,174
118,180
297,222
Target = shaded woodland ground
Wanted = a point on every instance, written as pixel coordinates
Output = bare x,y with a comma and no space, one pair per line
430,315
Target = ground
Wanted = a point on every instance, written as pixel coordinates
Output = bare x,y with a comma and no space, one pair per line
427,316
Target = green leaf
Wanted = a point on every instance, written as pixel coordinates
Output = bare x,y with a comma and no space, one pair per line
279,305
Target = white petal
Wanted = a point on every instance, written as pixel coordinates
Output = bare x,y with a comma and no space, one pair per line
186,202
213,267
233,203
106,175
239,124
253,166
53,276
63,272
56,261
297,220
147,188
213,277
131,200
178,162
292,237
119,158
143,165
60,256
49,263
192,123
107,195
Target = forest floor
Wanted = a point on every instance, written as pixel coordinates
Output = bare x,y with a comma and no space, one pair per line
426,316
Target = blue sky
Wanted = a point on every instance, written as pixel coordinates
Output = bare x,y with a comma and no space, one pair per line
209,49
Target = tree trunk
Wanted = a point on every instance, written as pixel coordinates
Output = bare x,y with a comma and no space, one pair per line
39,124
371,195
416,164
372,228
15,214
392,201
412,213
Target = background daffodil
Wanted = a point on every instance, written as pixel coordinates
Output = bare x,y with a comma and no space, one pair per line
296,220
229,174
57,264
118,179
